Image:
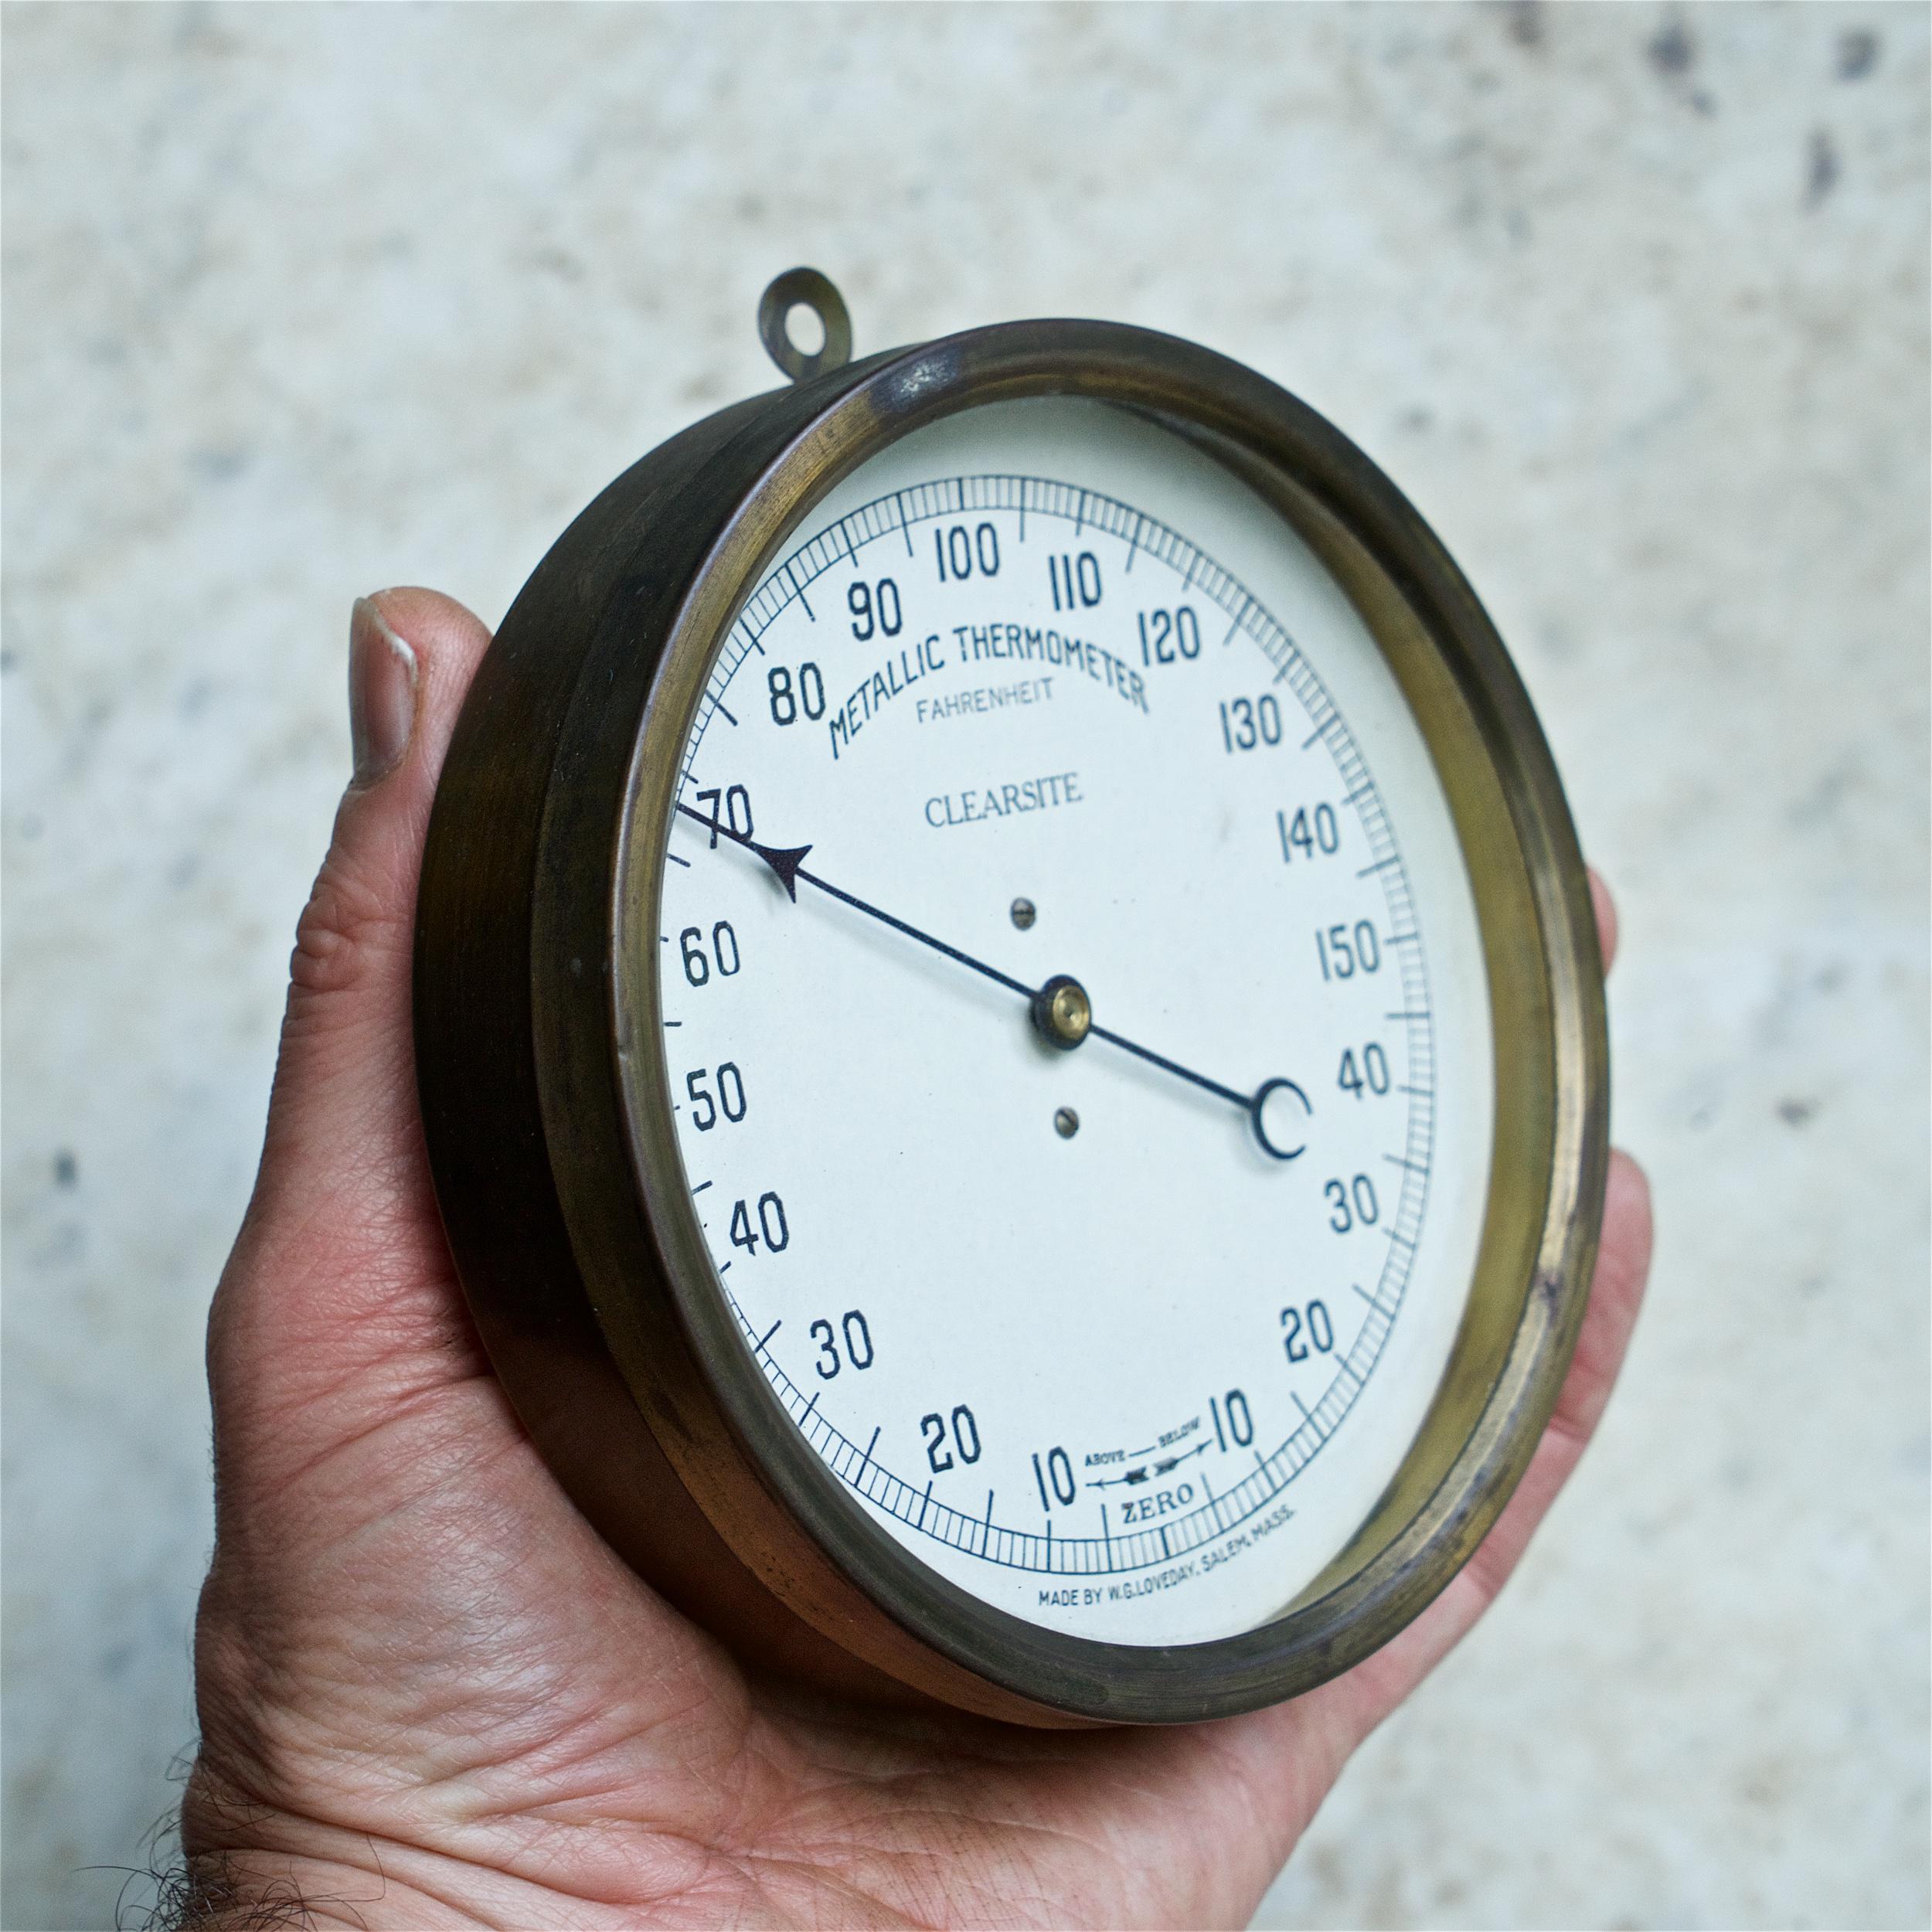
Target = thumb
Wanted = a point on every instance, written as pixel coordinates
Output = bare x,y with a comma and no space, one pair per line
345,1096
341,1262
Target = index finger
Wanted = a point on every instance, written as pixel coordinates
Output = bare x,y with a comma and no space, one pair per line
1606,916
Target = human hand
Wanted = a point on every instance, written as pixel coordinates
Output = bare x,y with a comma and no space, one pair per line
430,1695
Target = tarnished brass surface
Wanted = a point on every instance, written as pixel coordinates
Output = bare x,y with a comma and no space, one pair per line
805,288
545,1093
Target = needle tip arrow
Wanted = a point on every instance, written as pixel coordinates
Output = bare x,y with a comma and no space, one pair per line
785,862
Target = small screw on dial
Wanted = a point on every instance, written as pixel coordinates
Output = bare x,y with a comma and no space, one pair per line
1066,1123
1025,913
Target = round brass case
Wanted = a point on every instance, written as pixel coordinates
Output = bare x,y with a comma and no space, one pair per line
545,1093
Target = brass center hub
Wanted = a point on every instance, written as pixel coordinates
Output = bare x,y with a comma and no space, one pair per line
1062,1013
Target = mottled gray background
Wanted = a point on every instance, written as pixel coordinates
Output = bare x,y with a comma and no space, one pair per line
302,301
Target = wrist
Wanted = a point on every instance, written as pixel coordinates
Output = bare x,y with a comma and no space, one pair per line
248,1890
248,1865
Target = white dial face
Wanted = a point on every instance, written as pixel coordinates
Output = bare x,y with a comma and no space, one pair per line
1078,1036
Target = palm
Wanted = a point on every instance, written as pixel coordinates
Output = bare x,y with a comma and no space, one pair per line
426,1680
595,1743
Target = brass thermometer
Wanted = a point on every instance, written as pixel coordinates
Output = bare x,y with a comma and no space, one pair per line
1010,1028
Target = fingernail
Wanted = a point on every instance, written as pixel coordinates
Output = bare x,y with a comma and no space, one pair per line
382,693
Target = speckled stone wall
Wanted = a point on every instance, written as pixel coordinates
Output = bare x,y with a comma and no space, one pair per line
302,301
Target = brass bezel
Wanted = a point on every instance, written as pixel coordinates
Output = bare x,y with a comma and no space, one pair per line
630,1285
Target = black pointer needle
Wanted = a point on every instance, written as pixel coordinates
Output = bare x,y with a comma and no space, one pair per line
1244,1101
1250,1104
787,861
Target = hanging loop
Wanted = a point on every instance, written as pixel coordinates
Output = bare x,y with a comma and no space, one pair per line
805,288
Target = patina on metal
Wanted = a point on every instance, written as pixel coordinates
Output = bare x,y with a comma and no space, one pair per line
545,1094
805,288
